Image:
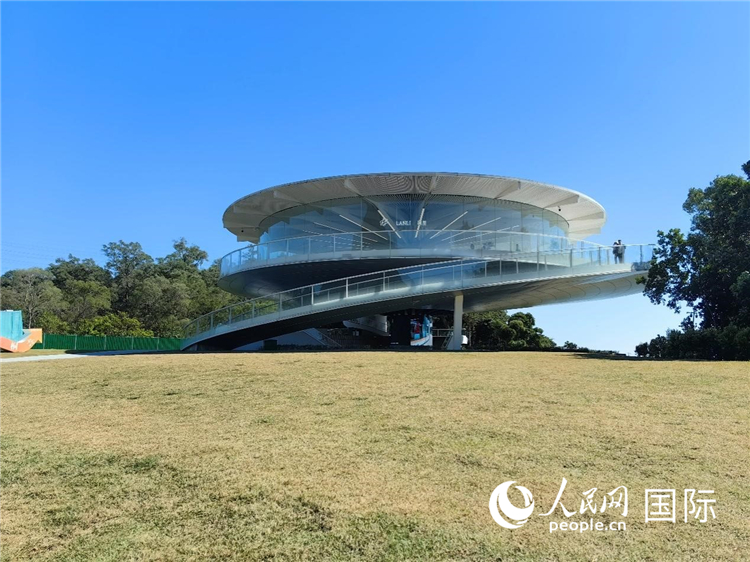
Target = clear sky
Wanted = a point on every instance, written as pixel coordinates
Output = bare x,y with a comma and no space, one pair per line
143,121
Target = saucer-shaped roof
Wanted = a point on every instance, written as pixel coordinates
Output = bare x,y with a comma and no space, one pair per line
244,217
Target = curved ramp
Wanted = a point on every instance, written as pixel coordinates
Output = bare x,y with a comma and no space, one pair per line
485,284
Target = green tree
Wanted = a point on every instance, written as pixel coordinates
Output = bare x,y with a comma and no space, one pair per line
484,328
161,305
185,255
497,330
708,269
113,324
51,323
31,291
129,265
75,269
77,295
85,300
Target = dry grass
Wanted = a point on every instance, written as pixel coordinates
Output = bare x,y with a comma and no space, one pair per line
385,456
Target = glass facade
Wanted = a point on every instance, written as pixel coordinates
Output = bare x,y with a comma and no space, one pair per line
444,227
447,213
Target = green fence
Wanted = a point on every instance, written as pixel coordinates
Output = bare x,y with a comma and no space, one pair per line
107,343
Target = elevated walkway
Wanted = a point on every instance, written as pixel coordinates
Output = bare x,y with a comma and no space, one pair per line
265,268
529,279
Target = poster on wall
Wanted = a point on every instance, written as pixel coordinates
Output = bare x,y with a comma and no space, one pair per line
421,331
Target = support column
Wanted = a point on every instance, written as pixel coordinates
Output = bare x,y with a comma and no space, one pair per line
458,322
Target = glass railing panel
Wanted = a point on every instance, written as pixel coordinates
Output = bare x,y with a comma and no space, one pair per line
335,285
204,323
364,286
299,247
413,278
520,243
551,244
508,268
259,255
375,241
221,317
393,241
465,243
494,270
296,298
251,254
347,243
329,292
437,278
291,303
527,267
400,282
640,257
406,241
321,245
474,272
278,249
263,307
227,264
504,242
489,243
242,311
431,245
448,243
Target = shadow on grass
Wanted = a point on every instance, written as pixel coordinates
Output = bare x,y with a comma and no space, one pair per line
612,357
36,352
119,352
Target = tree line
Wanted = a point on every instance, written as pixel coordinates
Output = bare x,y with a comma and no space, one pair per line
707,272
497,330
133,294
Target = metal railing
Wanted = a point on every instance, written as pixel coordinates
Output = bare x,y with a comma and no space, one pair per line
389,244
416,280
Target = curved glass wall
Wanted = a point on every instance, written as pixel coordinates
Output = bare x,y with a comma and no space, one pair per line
409,213
387,244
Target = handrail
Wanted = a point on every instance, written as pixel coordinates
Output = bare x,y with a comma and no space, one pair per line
435,242
325,338
571,262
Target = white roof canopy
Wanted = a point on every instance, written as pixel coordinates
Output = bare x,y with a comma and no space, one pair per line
243,217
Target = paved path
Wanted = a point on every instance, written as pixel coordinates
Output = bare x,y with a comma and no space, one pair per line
42,358
69,356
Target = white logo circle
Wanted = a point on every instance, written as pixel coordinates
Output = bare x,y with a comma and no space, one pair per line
518,516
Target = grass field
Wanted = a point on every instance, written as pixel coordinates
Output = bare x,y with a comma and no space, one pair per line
363,456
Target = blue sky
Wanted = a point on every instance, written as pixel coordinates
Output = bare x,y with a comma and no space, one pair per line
143,121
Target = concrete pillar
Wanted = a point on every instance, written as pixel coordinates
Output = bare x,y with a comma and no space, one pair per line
458,323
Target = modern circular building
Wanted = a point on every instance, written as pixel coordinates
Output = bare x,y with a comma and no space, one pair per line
376,250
